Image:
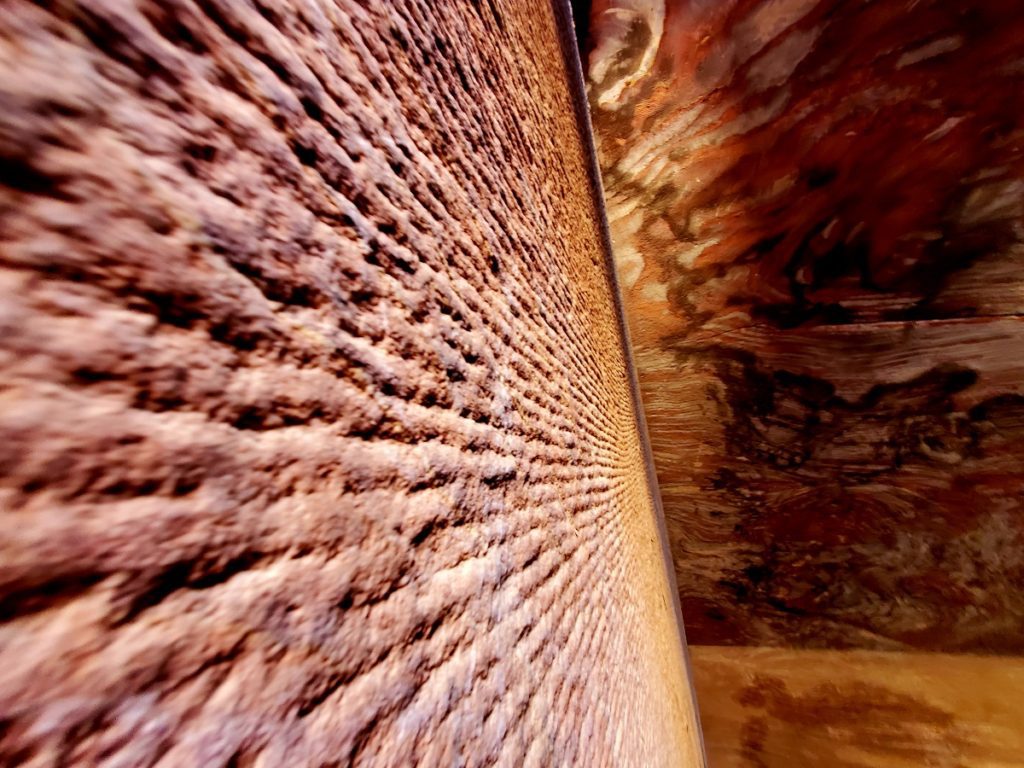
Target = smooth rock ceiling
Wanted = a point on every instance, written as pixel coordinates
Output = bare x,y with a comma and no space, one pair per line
816,208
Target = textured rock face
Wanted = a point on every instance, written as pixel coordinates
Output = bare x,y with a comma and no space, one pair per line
817,213
318,441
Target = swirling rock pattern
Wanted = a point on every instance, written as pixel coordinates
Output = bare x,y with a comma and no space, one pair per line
816,208
318,443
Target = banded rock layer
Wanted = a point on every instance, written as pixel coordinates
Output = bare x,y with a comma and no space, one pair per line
817,209
318,440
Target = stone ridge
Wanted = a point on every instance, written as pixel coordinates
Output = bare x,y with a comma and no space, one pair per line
318,445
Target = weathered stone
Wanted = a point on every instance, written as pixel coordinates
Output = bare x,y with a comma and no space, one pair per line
817,211
318,445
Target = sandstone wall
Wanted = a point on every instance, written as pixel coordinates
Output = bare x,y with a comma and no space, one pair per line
818,214
817,209
318,442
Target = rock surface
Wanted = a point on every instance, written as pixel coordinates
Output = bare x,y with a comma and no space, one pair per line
817,208
793,707
319,446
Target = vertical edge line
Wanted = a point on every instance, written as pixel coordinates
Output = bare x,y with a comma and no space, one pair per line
578,94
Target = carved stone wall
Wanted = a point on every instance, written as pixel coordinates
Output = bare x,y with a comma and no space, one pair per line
318,442
817,209
818,216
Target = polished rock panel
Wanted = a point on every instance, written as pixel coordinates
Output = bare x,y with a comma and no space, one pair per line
790,708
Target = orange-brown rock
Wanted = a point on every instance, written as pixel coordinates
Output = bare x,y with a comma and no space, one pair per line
818,215
786,707
318,441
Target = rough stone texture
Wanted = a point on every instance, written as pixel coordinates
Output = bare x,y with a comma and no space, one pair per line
318,440
818,215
